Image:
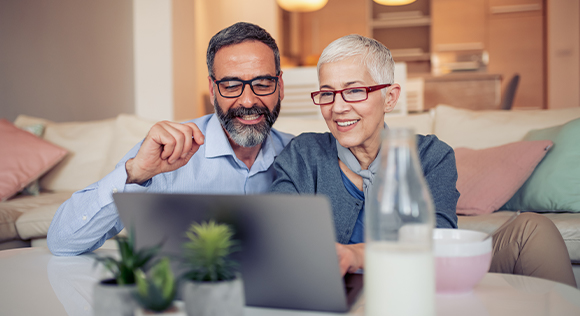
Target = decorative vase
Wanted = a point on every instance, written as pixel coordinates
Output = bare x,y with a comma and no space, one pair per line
177,309
214,298
110,299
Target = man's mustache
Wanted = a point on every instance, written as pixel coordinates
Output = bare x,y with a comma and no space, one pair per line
241,111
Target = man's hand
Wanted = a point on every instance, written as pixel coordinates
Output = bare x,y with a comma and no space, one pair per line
167,147
350,257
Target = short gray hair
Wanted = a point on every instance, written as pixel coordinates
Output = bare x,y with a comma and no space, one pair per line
374,55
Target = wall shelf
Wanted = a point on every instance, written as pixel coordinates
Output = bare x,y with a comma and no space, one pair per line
407,58
392,23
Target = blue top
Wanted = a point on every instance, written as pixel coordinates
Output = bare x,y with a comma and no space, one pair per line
89,217
309,165
358,232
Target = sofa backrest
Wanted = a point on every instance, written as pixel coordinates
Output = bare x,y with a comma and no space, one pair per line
129,130
484,129
94,148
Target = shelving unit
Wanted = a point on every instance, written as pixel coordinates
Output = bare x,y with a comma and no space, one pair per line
405,30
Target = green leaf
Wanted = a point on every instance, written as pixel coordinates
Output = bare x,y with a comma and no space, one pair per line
207,252
131,259
156,291
141,281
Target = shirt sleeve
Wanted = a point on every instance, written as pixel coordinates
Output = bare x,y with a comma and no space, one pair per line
86,220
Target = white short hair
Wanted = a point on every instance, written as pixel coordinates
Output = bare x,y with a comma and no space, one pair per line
374,55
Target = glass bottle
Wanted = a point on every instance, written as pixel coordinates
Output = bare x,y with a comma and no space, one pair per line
399,274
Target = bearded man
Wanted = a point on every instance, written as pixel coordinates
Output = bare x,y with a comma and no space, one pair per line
229,152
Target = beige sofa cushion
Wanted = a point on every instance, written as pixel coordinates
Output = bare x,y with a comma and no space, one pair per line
8,217
297,125
421,123
567,224
25,120
35,222
484,129
35,212
88,145
95,146
128,131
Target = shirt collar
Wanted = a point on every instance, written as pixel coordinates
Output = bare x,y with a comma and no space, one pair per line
216,140
217,144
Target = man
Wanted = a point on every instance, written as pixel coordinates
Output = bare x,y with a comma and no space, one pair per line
229,152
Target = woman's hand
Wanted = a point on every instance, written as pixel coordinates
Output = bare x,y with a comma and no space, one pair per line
350,257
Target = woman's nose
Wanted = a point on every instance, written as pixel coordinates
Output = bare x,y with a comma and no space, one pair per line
339,105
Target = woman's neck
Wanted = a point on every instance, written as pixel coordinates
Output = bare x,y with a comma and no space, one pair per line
365,155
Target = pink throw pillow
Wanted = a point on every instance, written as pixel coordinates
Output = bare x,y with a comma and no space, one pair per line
488,178
23,158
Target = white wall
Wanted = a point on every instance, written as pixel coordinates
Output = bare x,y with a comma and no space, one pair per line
153,59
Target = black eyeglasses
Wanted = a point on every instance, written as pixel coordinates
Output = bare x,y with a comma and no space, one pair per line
356,94
233,88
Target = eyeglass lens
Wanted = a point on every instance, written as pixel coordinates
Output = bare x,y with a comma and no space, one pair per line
235,88
348,95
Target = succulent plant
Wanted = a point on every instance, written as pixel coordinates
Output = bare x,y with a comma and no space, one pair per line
130,261
208,252
156,290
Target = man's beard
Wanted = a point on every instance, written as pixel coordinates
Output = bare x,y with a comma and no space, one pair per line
247,135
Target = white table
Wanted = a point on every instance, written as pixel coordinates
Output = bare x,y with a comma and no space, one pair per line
34,282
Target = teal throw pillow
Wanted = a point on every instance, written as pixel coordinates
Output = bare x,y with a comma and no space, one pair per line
555,183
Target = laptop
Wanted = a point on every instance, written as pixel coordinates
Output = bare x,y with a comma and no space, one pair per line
287,257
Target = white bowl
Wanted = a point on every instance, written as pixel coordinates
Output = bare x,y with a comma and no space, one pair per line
462,258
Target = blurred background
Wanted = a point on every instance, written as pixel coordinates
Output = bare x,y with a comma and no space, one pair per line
70,60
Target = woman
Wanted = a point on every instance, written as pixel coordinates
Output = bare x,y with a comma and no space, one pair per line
356,89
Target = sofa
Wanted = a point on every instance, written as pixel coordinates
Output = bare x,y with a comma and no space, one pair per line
480,137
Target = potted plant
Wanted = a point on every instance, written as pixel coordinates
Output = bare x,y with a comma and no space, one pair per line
212,284
156,291
113,296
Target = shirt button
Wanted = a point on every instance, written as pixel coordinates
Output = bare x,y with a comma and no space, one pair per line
84,217
115,190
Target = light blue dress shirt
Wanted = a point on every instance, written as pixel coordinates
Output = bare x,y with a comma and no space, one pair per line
85,221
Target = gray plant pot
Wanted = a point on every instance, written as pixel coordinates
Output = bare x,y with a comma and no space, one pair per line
179,311
110,299
214,298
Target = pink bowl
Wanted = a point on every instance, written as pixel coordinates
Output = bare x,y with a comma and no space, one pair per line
462,258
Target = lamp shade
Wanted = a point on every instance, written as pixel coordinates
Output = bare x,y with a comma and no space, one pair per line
302,5
394,2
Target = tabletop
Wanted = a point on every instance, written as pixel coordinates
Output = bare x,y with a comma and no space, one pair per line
34,282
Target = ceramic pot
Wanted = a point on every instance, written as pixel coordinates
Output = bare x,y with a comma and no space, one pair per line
110,299
178,310
214,298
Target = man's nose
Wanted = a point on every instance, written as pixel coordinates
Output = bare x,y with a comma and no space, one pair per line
248,98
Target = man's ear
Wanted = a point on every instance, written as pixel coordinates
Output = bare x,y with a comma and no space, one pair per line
281,86
211,90
393,93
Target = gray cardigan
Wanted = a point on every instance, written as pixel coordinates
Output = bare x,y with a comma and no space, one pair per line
309,165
